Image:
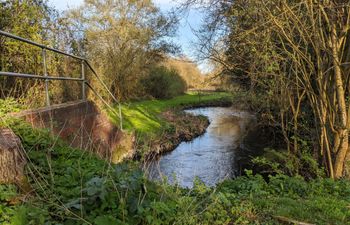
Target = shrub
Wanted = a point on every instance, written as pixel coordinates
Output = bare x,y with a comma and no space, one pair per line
9,105
283,162
164,83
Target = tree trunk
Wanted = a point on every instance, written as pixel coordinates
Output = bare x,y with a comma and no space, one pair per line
12,159
341,154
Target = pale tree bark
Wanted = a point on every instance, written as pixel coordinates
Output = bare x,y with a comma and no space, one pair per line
343,131
12,158
295,47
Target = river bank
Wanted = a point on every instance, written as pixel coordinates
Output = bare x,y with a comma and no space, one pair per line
161,125
210,157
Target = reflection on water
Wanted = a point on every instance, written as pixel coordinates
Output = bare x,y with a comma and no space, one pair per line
210,157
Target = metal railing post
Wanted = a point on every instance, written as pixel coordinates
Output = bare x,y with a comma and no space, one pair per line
120,116
47,78
83,90
47,96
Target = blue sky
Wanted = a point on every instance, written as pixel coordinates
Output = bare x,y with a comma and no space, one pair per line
185,37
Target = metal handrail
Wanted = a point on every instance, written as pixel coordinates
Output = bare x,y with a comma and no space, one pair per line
3,33
48,78
23,75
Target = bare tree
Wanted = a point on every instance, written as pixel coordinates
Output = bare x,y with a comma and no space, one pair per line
295,53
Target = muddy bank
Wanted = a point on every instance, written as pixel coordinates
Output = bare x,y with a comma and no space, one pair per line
185,128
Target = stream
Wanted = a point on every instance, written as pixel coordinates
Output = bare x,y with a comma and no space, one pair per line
211,156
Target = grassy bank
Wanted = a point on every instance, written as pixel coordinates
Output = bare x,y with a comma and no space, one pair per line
145,116
160,125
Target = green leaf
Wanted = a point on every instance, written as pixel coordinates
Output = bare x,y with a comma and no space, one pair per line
105,220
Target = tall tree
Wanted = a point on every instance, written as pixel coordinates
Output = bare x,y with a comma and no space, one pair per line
296,55
123,39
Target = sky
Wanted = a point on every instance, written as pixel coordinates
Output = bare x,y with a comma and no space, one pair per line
185,37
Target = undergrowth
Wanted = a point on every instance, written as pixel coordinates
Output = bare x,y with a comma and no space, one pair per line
70,186
10,105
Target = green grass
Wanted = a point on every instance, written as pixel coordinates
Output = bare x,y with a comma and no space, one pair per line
144,116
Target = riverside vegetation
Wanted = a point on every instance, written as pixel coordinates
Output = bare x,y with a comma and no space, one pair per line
288,61
69,186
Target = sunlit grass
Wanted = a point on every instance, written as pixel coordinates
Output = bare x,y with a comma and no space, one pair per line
144,116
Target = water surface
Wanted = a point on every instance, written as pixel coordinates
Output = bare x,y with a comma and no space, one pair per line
210,157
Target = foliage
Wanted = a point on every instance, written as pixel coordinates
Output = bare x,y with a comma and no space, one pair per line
188,70
123,39
38,22
70,186
7,192
282,162
25,18
164,83
9,105
296,55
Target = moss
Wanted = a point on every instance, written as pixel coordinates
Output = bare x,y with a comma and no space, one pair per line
124,150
